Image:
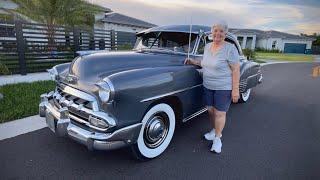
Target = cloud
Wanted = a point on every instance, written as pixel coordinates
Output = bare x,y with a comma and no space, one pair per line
260,14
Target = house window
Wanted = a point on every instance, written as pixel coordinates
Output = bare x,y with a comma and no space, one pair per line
274,43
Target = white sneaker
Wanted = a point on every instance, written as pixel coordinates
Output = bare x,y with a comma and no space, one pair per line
210,135
216,145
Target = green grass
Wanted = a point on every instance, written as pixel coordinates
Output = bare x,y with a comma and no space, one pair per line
284,57
258,61
22,100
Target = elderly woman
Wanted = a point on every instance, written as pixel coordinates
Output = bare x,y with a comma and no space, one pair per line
221,73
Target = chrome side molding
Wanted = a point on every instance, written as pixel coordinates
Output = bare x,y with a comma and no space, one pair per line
169,93
195,114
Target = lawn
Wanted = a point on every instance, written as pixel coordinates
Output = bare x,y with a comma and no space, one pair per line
22,100
284,57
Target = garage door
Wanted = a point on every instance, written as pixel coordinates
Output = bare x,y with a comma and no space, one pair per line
294,48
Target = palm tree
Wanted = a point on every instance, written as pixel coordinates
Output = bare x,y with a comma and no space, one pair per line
58,12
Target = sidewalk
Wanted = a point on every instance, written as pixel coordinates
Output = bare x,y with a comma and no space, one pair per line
21,126
17,78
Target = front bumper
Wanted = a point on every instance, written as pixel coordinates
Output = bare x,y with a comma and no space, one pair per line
58,121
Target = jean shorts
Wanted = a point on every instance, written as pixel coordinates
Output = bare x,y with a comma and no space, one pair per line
220,99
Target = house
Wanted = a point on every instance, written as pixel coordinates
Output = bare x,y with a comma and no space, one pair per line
273,40
107,20
121,22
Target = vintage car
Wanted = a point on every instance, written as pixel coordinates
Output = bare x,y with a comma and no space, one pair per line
110,100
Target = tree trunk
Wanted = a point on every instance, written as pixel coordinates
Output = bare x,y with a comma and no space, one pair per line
50,35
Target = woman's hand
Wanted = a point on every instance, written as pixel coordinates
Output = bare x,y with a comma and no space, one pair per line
188,61
235,95
191,62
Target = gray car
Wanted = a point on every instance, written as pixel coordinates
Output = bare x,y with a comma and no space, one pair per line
109,100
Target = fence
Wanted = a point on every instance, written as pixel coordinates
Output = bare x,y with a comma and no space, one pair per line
32,47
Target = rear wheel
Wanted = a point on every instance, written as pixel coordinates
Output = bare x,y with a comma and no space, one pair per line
157,130
244,97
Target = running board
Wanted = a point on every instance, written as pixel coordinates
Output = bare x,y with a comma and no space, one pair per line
194,115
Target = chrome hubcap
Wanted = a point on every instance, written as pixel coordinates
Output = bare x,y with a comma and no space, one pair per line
156,130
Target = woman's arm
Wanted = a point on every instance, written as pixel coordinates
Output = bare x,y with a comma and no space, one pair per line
235,68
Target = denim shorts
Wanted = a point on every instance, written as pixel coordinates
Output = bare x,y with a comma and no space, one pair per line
220,99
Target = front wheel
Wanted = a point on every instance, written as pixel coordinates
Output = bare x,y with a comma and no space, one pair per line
244,97
157,130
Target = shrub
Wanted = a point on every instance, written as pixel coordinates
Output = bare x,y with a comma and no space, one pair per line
4,70
126,46
267,50
249,53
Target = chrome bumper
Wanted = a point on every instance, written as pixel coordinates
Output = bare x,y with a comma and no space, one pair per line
59,122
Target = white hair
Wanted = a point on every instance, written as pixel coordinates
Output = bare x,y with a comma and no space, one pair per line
222,24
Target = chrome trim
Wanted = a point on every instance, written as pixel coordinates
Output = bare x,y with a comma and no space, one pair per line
111,87
53,73
99,114
169,93
80,94
260,78
93,140
194,114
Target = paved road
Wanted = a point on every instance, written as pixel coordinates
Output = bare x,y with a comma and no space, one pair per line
274,136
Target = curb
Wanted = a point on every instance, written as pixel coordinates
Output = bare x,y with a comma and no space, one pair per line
286,62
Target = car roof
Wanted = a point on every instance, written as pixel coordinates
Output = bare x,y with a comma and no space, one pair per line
180,28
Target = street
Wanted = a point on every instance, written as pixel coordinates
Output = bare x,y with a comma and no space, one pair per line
276,135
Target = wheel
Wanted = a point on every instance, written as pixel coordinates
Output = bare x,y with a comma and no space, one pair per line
244,97
157,130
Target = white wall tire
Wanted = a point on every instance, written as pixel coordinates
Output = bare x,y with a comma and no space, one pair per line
244,97
156,132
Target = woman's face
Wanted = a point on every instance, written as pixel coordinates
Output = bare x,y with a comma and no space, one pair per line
218,34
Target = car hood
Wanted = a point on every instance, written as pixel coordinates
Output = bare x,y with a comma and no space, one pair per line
96,66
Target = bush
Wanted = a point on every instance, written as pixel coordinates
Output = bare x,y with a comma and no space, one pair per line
3,68
249,53
267,50
126,46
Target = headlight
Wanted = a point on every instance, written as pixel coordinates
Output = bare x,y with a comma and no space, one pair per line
104,91
104,95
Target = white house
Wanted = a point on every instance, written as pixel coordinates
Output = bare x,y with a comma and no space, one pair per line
121,22
284,42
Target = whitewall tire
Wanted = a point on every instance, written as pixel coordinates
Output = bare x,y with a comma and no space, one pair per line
157,130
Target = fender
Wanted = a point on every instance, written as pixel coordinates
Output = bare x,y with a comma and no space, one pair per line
138,88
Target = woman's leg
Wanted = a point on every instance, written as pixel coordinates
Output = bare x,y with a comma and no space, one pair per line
211,111
220,121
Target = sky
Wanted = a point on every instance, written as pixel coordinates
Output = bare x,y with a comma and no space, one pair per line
292,16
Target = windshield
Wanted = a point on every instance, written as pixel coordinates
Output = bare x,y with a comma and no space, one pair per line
166,41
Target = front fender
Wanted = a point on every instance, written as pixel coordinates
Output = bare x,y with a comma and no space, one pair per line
134,87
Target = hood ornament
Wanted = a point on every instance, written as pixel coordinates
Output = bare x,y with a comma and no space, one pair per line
71,79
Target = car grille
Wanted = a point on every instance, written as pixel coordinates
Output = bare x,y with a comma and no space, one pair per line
75,99
76,114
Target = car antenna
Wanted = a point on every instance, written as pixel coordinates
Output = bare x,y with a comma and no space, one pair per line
188,56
